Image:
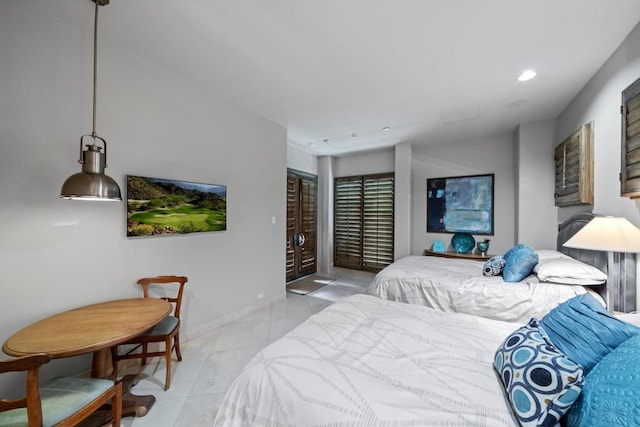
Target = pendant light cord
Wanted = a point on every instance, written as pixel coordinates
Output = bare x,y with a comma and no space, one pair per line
95,67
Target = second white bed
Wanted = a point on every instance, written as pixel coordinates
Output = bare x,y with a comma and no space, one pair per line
458,285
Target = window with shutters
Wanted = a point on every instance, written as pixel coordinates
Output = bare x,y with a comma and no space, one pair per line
574,168
630,168
363,221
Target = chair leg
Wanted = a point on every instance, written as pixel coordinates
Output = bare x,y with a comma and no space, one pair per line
144,352
176,344
167,347
116,406
114,362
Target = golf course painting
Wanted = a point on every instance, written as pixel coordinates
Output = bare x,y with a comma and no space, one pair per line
157,206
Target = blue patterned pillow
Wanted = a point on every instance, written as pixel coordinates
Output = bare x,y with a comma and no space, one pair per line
519,262
493,266
611,390
540,381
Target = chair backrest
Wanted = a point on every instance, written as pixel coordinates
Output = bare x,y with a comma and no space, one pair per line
162,280
30,364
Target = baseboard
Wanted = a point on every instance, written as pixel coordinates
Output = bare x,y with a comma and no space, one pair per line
195,332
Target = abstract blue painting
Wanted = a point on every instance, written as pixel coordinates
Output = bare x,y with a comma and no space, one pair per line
460,204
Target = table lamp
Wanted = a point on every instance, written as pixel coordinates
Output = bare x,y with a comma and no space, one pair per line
610,234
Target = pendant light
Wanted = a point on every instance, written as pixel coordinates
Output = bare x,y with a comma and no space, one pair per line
92,183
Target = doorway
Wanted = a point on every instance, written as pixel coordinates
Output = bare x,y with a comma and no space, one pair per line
302,195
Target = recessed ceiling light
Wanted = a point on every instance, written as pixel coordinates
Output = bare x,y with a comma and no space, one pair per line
386,129
326,141
527,75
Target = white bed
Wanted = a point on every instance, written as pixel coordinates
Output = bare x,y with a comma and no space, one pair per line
458,285
365,361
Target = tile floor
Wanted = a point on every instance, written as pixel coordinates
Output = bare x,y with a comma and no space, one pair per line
211,361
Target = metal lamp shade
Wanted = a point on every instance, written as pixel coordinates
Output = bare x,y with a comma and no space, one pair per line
91,183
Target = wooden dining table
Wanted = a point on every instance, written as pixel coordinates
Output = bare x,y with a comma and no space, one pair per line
93,329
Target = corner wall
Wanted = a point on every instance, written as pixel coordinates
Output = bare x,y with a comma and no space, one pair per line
536,219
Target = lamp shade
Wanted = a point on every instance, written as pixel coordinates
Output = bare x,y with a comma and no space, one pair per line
607,233
91,183
87,186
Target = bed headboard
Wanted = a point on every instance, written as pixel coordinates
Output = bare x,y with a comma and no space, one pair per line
624,263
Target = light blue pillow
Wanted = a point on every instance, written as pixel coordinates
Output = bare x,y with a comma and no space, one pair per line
493,266
519,262
611,390
540,381
585,331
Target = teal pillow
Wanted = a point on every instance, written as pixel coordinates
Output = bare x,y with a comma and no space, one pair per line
540,381
519,262
585,331
611,390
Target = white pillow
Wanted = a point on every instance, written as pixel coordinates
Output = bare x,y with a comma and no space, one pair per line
547,254
569,271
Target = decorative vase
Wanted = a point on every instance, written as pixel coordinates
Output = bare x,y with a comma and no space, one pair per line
483,247
462,243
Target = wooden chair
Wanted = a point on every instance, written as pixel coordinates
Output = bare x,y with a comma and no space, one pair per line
167,331
61,401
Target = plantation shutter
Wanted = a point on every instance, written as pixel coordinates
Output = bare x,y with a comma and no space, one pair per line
377,245
364,222
348,222
574,168
630,170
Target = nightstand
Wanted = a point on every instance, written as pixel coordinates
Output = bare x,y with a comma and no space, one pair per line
452,254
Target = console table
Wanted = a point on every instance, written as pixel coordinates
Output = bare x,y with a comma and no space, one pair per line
452,254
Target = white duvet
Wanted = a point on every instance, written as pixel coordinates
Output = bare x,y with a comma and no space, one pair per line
365,361
458,285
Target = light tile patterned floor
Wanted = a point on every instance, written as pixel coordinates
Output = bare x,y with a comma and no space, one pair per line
211,361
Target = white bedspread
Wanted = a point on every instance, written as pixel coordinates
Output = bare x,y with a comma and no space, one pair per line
458,285
365,361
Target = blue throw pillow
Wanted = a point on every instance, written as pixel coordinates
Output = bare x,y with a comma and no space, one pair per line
585,331
519,262
493,266
540,381
611,390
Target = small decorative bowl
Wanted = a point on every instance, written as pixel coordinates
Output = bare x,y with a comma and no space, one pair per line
483,247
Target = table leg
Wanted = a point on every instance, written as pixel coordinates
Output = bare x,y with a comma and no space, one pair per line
132,405
101,364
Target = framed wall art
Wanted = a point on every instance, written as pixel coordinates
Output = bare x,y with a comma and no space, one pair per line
460,204
157,206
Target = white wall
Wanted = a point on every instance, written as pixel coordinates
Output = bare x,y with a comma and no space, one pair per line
365,163
403,203
301,160
480,156
57,254
600,101
535,207
325,214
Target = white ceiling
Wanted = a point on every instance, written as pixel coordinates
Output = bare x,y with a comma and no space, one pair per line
326,69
